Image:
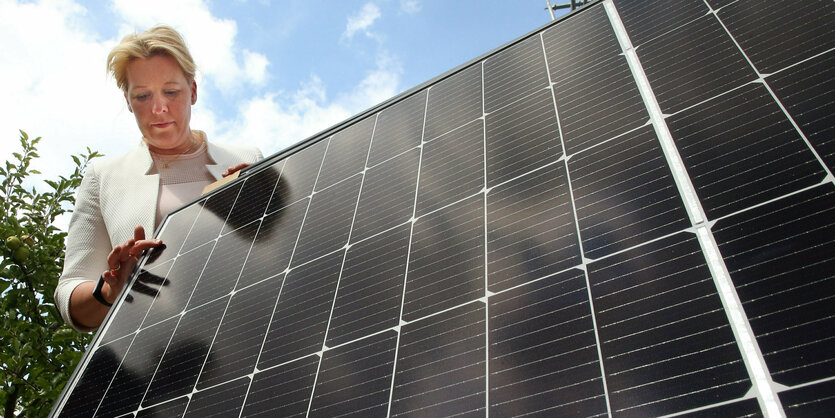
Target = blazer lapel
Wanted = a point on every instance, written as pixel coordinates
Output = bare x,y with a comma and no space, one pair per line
146,188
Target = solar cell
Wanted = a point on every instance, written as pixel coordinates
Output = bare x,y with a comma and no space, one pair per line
627,212
185,353
806,92
774,36
521,137
530,370
440,367
173,408
514,73
221,401
664,336
355,378
454,102
740,149
452,168
780,259
346,154
237,344
531,232
399,128
282,391
645,20
388,195
371,287
692,64
624,194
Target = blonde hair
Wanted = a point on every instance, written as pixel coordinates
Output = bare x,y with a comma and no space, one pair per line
159,40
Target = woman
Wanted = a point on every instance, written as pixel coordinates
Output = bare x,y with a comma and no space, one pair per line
122,197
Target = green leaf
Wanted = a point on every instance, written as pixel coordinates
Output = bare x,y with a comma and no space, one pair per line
28,316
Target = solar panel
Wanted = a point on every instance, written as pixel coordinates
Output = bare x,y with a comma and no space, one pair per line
627,212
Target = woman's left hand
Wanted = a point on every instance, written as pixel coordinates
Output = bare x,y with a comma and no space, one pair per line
235,168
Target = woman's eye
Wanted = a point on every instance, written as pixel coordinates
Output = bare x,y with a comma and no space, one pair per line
171,92
141,96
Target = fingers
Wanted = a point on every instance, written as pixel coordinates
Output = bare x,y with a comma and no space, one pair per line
141,244
115,258
138,233
129,251
121,261
234,168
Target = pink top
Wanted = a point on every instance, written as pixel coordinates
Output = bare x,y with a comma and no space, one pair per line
181,179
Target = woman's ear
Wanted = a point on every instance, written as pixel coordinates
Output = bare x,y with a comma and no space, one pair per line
130,109
193,91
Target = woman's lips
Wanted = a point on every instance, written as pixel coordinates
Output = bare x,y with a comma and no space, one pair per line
161,124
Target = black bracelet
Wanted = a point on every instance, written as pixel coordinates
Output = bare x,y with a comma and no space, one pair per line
97,292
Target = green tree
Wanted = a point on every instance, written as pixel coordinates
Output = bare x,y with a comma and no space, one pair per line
38,351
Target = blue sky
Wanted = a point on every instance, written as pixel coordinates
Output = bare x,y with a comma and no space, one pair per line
272,73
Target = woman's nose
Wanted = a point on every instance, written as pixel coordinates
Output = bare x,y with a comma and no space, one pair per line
160,106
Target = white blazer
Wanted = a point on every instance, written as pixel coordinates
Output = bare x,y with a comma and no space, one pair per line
115,196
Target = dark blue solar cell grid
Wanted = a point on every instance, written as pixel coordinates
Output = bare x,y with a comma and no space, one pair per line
346,154
212,217
223,401
446,263
355,379
238,341
179,284
270,255
137,368
388,194
300,319
328,221
298,176
253,199
645,20
370,291
186,352
596,97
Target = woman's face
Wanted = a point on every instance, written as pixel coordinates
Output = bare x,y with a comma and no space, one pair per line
160,98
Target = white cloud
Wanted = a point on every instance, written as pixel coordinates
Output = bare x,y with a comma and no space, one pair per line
56,85
380,84
255,66
276,121
362,20
410,6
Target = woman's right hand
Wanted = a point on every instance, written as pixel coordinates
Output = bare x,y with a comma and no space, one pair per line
122,259
88,312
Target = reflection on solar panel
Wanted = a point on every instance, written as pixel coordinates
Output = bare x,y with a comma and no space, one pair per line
629,212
